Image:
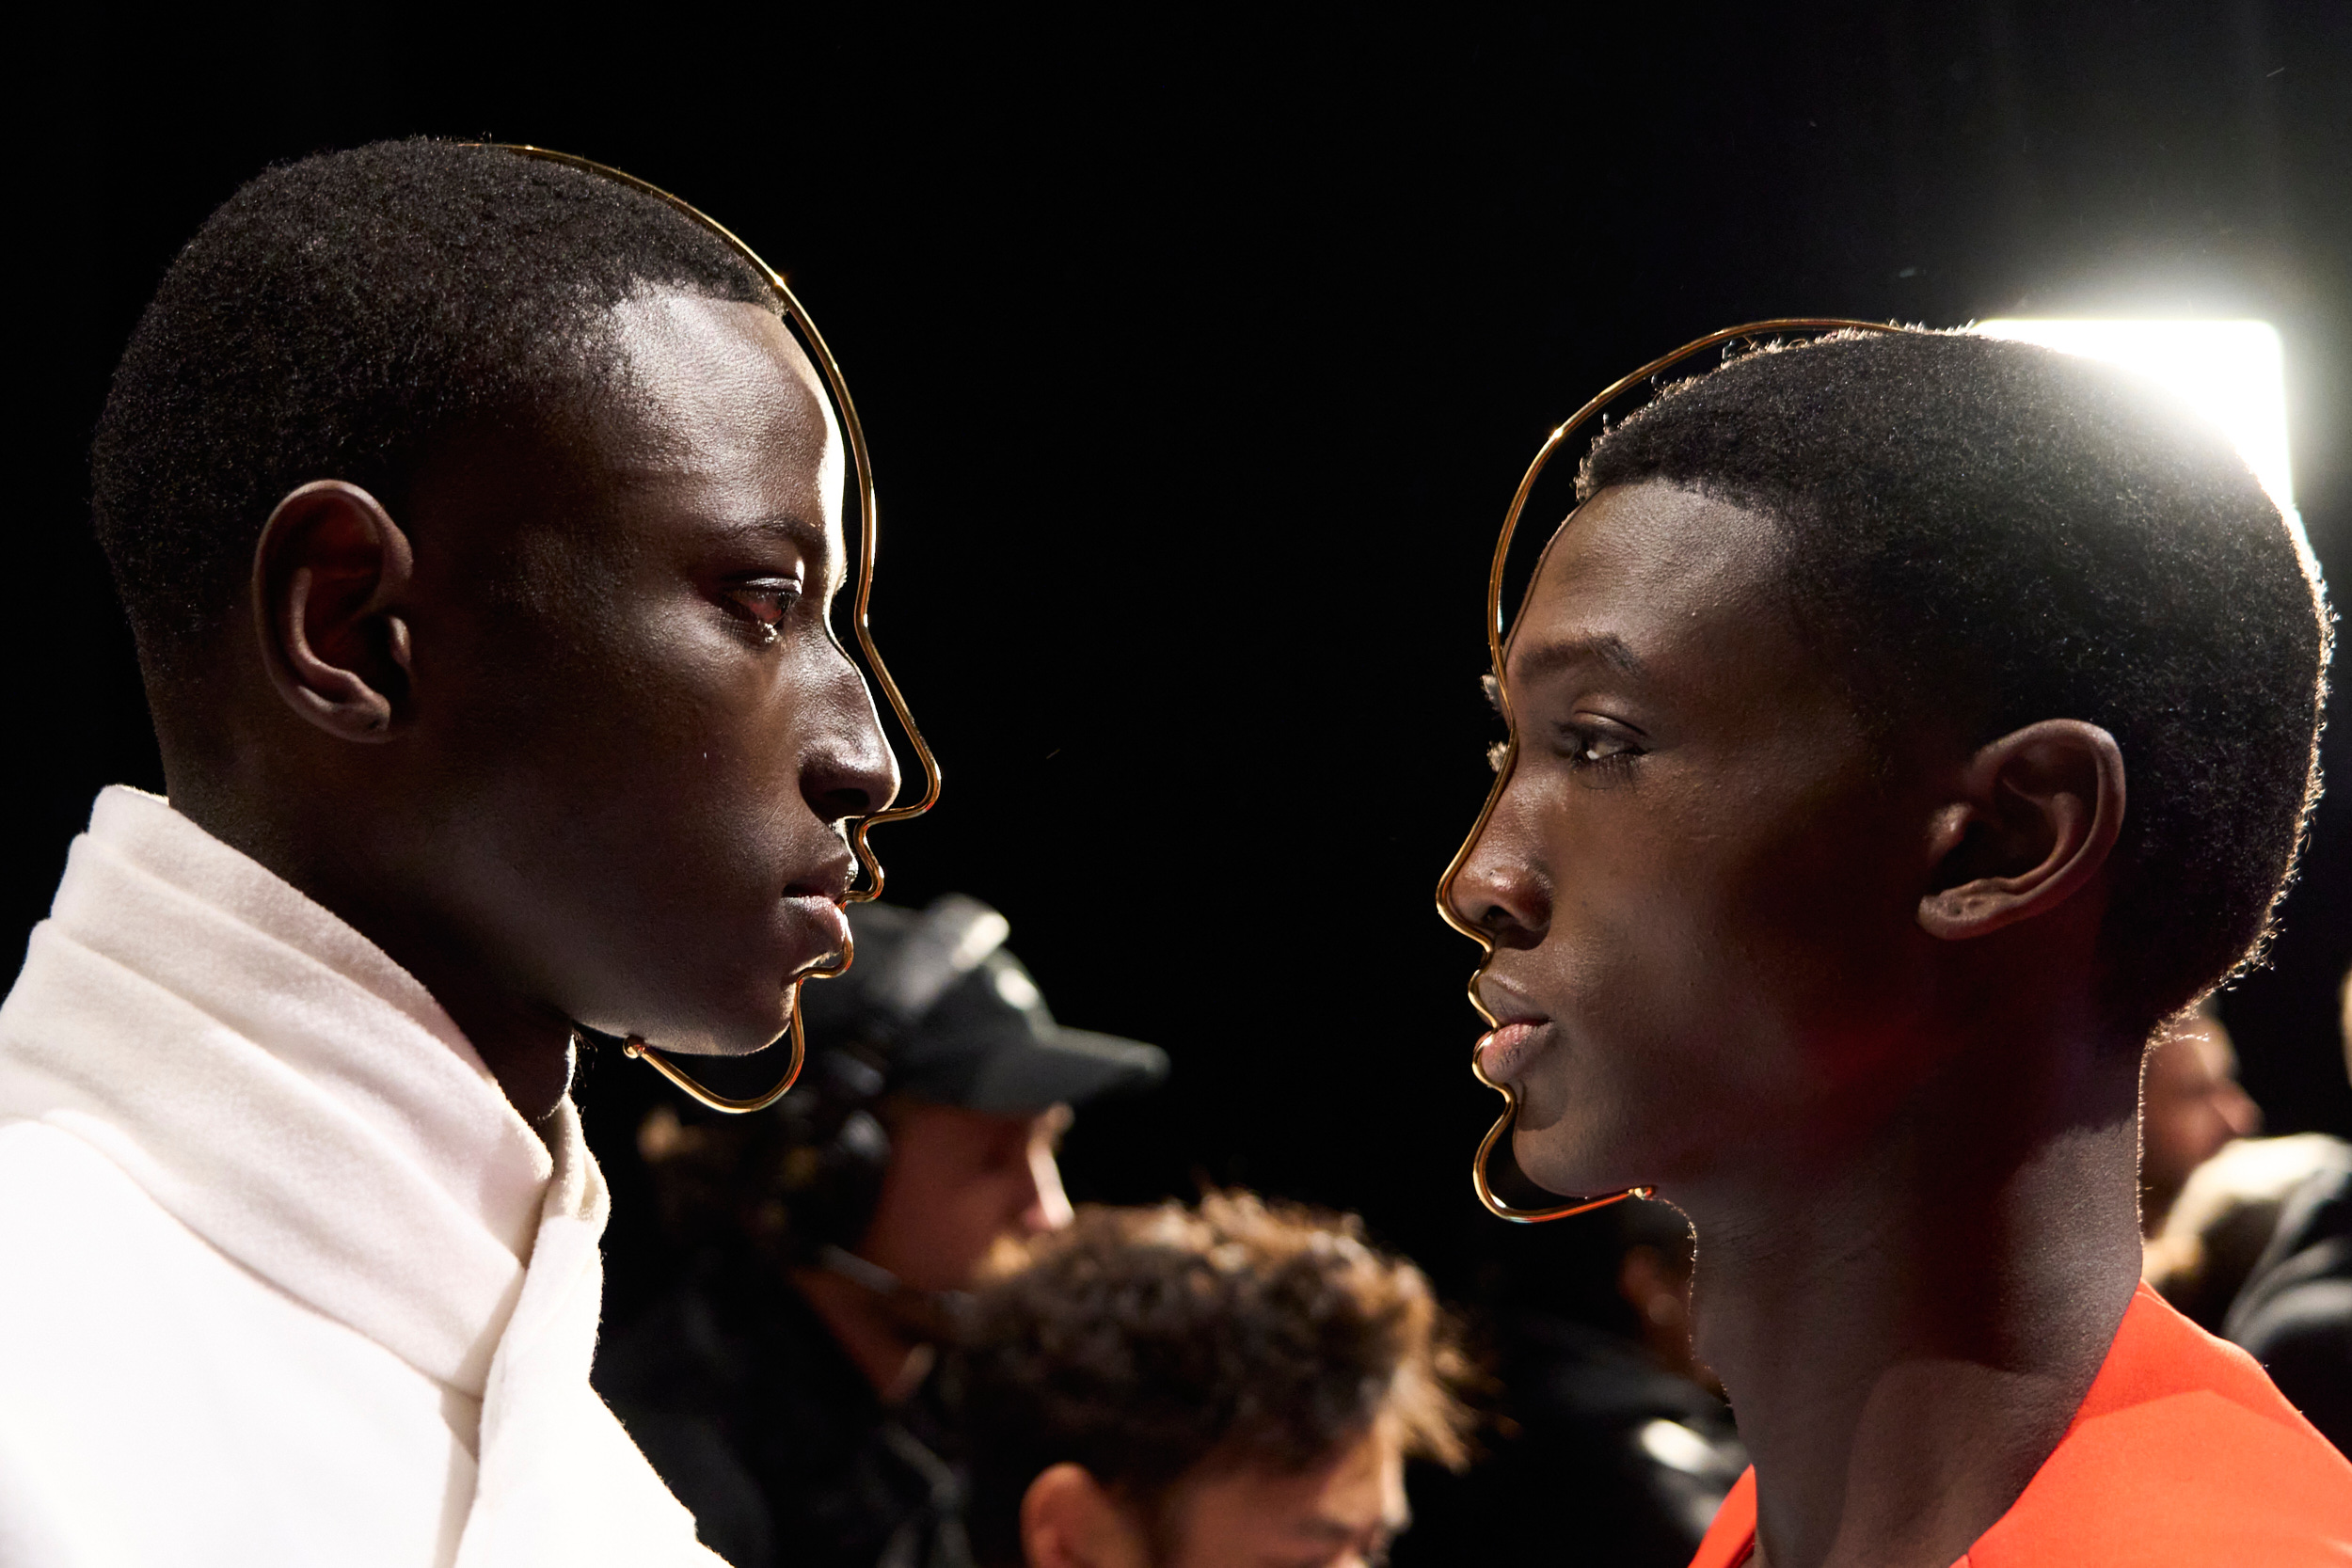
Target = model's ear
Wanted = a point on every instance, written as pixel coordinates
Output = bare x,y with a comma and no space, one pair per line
330,575
2036,816
1069,1521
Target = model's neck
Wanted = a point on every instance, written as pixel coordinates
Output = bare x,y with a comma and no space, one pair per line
1907,1327
528,1046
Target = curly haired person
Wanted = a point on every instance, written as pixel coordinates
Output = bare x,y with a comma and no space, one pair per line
1232,1386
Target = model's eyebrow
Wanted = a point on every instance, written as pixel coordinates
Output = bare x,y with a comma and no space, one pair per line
1607,648
802,531
810,536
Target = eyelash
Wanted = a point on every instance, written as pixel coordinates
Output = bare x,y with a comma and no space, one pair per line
783,592
1584,737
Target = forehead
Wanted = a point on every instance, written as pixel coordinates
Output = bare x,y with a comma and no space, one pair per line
1652,557
956,1126
717,391
1358,1491
1660,583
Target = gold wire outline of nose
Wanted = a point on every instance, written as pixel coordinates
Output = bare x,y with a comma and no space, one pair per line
796,316
1495,639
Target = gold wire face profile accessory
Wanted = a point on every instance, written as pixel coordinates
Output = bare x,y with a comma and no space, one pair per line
796,318
1497,642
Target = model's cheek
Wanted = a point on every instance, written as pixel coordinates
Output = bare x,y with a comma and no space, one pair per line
1623,1017
1820,923
1665,1036
1588,1120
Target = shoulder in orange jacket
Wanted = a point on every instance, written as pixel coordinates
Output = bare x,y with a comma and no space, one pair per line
2183,1456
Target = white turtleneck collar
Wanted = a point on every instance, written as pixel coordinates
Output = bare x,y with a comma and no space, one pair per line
285,1090
412,1371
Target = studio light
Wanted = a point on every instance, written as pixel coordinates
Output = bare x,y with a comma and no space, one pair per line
2230,373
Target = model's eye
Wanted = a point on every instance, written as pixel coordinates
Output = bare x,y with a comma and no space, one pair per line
1591,744
765,600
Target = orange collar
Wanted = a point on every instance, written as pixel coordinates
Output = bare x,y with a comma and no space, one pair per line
2183,1456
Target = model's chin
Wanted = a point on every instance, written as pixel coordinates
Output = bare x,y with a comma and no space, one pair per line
710,1047
749,1026
1570,1151
1569,1176
1549,1101
749,1035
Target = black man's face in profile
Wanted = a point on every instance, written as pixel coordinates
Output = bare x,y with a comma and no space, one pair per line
656,734
1700,879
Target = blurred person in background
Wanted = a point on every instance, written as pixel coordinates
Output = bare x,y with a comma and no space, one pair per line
2258,1250
1237,1385
783,1386
2191,1106
1601,1413
2227,1214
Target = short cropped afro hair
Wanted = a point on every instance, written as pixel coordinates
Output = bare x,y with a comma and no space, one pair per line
338,315
1145,1344
1996,533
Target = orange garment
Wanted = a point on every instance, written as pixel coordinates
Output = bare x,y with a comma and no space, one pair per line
2181,1457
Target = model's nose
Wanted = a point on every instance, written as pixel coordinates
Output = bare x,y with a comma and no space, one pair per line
1500,892
851,771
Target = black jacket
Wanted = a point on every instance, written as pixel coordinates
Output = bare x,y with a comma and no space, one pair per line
2294,1314
770,1433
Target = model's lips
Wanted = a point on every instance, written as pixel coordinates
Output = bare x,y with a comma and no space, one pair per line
828,922
1505,1051
830,880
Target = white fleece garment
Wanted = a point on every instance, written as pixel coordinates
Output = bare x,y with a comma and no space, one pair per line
283,1277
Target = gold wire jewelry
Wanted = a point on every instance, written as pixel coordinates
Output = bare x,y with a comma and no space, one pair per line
1495,639
637,1047
797,318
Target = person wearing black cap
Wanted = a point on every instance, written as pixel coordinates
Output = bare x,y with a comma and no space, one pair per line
782,1387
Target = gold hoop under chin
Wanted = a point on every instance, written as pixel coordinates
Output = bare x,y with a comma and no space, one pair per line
796,316
637,1047
1501,1208
1495,629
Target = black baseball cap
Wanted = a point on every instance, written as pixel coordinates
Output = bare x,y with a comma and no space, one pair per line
958,1021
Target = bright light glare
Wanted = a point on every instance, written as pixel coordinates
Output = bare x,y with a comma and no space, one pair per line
2230,373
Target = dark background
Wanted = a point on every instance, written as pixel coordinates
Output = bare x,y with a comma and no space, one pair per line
1199,355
